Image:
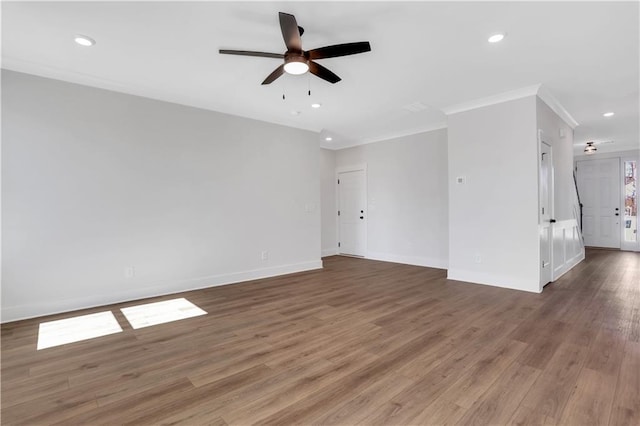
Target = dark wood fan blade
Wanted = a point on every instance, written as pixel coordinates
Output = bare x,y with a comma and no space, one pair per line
339,50
323,73
290,32
249,53
275,74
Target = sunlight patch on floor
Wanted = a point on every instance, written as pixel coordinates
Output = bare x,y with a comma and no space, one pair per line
69,330
161,312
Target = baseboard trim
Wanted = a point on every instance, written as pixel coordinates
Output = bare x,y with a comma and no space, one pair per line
16,313
473,277
329,252
408,260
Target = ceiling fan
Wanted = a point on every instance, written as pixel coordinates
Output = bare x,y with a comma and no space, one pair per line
298,61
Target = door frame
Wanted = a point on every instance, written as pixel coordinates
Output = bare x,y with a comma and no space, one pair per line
551,194
624,246
345,169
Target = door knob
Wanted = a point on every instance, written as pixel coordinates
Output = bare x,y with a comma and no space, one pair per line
361,217
552,221
361,211
617,214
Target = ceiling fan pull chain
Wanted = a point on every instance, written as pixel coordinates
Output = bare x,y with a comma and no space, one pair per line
309,83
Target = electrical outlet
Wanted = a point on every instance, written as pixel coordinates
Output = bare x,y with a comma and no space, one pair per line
477,258
129,272
264,255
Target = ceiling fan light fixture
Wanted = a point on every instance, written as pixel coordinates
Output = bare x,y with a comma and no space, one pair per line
590,148
296,66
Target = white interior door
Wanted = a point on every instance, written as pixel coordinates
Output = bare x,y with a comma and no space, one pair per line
546,213
599,186
352,201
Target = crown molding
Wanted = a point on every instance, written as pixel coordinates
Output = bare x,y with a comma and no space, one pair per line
493,99
388,137
545,96
535,90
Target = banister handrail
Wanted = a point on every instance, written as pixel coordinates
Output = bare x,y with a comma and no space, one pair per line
575,183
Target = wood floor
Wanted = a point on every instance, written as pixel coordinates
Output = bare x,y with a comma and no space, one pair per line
360,342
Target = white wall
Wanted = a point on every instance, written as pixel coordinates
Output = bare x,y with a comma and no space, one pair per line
94,181
493,217
407,197
328,211
567,249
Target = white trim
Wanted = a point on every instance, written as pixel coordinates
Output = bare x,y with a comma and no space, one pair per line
628,246
565,260
475,277
15,313
545,95
329,252
427,262
571,263
551,213
352,168
87,80
493,99
388,137
537,89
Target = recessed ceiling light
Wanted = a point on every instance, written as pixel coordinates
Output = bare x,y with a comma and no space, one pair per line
316,105
608,114
328,139
496,38
83,40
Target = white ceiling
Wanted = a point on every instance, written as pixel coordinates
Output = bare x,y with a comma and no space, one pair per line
585,53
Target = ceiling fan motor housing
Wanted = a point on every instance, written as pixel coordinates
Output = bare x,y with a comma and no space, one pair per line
295,57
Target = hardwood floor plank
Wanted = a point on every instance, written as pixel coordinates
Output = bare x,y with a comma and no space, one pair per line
294,391
626,402
591,401
548,396
354,410
358,342
500,401
468,389
605,354
431,386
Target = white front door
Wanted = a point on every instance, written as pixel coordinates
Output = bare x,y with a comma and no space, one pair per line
545,213
352,219
599,188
